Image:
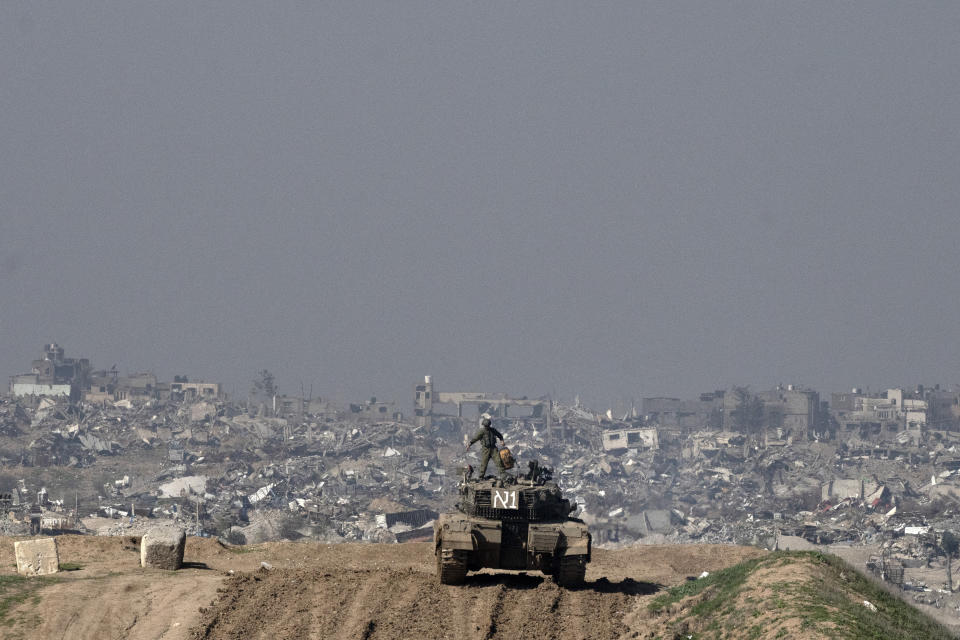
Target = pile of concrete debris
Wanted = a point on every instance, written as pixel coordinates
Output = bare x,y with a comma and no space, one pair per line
215,469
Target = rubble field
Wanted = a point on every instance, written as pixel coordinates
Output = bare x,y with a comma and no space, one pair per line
219,469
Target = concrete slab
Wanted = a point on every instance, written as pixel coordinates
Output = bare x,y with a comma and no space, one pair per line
37,557
162,548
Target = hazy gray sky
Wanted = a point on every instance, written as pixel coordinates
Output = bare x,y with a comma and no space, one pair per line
616,199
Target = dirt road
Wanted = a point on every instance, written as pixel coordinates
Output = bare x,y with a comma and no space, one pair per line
339,591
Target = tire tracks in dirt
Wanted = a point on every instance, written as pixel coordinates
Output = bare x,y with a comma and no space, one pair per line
379,593
359,608
467,612
408,603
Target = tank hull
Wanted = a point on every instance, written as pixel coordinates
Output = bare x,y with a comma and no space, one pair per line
468,543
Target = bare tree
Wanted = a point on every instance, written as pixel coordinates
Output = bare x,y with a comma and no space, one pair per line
748,415
949,545
264,385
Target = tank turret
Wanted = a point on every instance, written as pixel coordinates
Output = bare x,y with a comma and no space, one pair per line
532,497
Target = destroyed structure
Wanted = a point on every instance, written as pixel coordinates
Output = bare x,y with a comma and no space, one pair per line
427,402
732,465
54,376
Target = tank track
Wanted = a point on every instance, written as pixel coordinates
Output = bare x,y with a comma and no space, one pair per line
452,566
570,571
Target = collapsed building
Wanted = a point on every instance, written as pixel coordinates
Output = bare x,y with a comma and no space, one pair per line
772,468
52,375
428,402
55,376
668,472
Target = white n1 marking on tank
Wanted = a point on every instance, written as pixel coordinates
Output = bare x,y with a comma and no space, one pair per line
505,499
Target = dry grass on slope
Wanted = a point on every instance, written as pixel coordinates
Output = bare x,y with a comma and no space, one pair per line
787,595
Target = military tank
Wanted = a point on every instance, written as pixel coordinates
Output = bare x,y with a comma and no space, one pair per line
520,523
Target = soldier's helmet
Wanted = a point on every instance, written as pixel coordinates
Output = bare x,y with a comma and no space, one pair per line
486,422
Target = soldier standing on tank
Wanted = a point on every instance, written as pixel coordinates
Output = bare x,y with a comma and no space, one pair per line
488,436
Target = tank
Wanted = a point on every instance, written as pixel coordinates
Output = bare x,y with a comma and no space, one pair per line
521,523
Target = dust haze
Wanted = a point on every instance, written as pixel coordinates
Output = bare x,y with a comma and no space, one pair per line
613,201
265,271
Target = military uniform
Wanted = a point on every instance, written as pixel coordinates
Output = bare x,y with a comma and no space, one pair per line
487,436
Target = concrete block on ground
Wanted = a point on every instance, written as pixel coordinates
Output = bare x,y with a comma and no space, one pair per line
37,557
162,548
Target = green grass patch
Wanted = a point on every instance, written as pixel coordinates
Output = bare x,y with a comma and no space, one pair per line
840,601
15,590
241,548
724,584
70,566
831,602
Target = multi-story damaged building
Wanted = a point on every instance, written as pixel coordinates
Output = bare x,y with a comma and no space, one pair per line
894,411
784,412
689,415
795,411
182,389
943,409
75,379
373,411
497,405
324,410
109,387
102,388
53,375
137,387
892,405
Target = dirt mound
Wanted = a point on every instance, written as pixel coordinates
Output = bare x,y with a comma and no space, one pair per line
409,603
390,591
329,590
370,591
787,595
